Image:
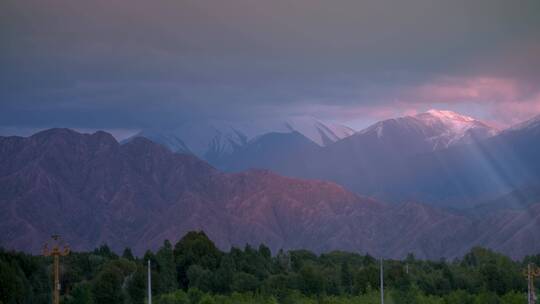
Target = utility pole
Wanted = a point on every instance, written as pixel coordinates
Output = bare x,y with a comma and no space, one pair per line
149,283
58,249
531,273
289,263
382,282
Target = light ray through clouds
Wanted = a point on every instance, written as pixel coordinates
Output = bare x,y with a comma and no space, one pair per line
498,165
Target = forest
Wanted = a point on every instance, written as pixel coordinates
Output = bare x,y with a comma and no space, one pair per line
195,271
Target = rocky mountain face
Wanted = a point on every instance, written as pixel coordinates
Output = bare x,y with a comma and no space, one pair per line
93,190
290,154
421,133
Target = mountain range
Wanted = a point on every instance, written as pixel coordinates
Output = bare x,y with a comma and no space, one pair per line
215,140
439,157
92,190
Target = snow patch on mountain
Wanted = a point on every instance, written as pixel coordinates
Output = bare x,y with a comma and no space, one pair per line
441,128
213,139
453,128
317,131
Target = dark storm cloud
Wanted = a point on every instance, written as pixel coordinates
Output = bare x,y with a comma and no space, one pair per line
137,63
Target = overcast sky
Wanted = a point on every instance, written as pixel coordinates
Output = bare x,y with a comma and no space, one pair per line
122,65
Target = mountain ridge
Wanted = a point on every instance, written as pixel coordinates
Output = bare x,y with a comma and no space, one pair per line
415,158
215,140
93,190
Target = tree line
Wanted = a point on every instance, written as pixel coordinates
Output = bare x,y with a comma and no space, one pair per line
195,271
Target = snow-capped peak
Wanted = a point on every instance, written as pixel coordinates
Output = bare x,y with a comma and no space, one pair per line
454,127
437,127
449,115
322,133
452,121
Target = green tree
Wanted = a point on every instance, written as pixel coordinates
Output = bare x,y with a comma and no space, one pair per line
107,286
458,297
136,286
13,283
365,278
253,276
194,295
127,254
487,298
346,277
199,277
513,297
312,280
177,297
167,276
81,294
223,276
105,252
265,252
195,248
244,282
207,299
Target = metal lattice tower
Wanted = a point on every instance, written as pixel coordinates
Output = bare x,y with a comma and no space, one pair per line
58,249
531,273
